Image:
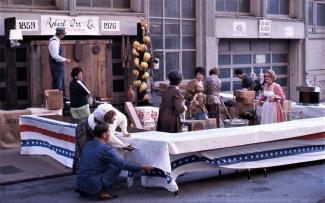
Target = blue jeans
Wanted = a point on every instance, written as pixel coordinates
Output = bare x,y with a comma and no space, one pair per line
57,71
201,116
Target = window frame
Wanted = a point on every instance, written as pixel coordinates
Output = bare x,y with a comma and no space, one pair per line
224,12
10,4
279,15
179,50
314,28
91,8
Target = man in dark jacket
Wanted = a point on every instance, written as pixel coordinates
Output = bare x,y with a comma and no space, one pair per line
247,81
100,167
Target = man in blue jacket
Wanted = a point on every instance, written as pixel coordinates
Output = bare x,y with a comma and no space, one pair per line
100,167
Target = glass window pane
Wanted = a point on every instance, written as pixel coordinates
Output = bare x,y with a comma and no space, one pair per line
122,3
224,59
116,54
118,85
188,8
188,27
244,6
273,6
172,8
220,5
22,2
237,85
258,69
21,73
189,64
101,3
2,74
225,86
44,2
279,58
321,14
247,70
261,58
242,59
280,70
156,27
224,73
159,74
2,55
157,42
172,61
172,27
155,8
231,5
189,42
117,69
282,81
284,7
21,55
2,93
22,92
85,3
172,42
310,13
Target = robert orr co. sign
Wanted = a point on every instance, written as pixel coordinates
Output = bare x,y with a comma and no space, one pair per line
81,25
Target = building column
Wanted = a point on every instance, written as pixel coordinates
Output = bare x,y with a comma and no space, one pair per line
296,71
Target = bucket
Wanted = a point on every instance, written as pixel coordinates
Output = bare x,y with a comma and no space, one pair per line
235,123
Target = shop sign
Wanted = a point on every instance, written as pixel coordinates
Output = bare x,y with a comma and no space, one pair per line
27,25
239,29
111,26
80,25
264,29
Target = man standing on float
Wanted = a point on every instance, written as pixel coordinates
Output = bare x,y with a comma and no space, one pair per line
56,59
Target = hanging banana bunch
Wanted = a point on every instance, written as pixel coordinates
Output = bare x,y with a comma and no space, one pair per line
141,59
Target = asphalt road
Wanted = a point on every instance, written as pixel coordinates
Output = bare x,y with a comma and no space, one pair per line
299,183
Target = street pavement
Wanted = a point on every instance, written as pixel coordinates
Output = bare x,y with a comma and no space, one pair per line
299,183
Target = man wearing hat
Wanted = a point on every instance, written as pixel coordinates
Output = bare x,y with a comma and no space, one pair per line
56,59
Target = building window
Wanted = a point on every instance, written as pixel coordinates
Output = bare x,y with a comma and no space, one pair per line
320,16
173,31
278,7
104,3
37,3
252,56
316,16
242,6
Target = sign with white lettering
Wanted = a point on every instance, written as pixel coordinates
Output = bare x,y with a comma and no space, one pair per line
27,25
264,30
239,29
81,25
111,26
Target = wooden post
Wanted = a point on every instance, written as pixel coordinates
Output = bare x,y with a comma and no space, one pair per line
11,68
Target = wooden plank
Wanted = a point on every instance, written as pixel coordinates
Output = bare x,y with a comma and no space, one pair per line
101,70
129,108
93,69
36,75
109,71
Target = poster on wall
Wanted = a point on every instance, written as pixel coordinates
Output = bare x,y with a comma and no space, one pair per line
239,29
264,30
80,25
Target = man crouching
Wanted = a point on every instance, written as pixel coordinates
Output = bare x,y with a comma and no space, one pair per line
100,167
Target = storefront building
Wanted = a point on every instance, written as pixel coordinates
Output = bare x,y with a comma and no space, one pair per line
286,36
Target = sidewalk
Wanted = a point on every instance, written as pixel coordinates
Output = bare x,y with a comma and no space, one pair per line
16,168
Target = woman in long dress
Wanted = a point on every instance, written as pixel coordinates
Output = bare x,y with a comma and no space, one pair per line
271,98
172,105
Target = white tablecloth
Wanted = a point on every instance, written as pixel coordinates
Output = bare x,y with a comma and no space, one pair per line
179,153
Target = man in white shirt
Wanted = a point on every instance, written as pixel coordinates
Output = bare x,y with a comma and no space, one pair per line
56,59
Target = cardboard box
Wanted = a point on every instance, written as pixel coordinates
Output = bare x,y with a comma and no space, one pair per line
244,107
244,94
129,108
148,116
53,99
